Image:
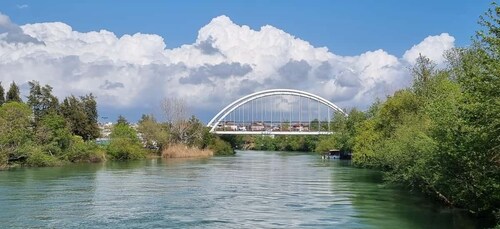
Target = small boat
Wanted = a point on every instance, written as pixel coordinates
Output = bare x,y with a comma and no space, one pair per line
334,154
337,154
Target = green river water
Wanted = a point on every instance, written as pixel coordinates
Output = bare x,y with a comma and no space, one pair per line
253,189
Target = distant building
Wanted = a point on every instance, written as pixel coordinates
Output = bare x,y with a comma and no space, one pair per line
257,126
228,126
300,127
105,129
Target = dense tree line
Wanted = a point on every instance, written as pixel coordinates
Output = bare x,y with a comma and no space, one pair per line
442,135
41,132
44,132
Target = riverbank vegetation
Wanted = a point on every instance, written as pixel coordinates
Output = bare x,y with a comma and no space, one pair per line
441,136
45,132
180,132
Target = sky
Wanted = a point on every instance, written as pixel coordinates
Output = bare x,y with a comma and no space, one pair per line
133,54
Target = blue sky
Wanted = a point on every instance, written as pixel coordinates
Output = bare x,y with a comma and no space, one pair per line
370,45
345,27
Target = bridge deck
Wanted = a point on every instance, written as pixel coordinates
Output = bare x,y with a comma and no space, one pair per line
273,132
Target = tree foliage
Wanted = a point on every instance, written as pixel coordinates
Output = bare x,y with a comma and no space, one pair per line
2,94
13,95
442,136
15,129
154,134
81,114
41,100
38,133
124,144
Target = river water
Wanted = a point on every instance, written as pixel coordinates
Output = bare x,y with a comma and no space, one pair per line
251,190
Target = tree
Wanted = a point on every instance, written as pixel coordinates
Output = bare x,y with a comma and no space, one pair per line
41,100
53,134
175,112
13,95
81,114
344,131
15,129
90,109
2,94
423,70
122,120
125,144
477,143
124,130
154,134
194,132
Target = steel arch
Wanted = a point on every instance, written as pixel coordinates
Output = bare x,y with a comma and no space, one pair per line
231,107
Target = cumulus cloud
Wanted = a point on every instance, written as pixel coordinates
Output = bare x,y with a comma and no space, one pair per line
208,73
226,62
12,33
432,47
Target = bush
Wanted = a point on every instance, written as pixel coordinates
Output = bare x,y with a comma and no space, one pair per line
81,151
221,148
37,158
3,159
124,149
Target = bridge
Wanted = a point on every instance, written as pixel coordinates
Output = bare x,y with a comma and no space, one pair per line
276,112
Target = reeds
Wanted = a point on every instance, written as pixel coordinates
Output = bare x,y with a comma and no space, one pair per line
183,151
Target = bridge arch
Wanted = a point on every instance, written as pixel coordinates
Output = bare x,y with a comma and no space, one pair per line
244,100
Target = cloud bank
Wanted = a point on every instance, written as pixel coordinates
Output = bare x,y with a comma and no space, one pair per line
226,62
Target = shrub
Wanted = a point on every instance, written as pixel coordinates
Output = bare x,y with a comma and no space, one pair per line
81,151
124,149
37,158
221,147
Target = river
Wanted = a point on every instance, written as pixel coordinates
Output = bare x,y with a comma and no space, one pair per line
250,190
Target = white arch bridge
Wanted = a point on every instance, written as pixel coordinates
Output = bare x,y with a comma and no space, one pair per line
276,112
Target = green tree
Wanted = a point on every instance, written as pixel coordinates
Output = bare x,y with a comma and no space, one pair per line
154,134
41,100
90,109
477,142
195,132
124,130
423,70
2,94
344,131
314,125
122,121
15,129
263,142
124,143
81,114
221,147
13,95
53,134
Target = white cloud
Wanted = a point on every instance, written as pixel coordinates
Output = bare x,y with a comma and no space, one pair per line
11,32
432,47
227,61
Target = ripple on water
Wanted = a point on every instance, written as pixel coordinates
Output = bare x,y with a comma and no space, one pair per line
250,190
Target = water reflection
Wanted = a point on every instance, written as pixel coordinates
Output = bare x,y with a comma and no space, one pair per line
250,190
